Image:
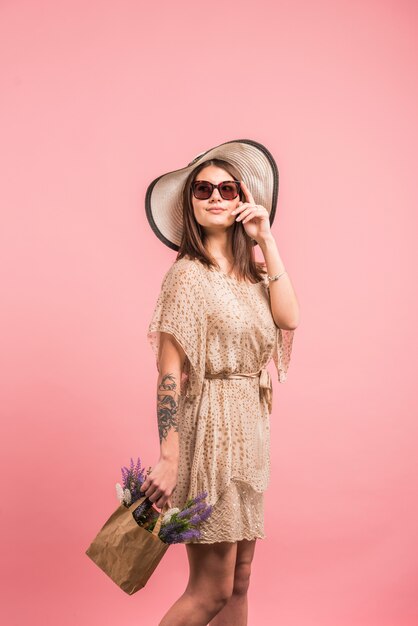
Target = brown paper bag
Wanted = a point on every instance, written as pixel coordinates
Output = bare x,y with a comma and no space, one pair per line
125,551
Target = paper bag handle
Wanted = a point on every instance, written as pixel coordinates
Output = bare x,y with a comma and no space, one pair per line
157,526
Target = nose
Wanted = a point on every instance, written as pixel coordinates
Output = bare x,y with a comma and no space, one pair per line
215,195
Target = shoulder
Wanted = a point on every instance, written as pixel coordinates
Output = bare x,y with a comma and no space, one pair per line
183,271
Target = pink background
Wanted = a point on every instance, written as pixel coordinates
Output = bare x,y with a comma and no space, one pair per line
98,99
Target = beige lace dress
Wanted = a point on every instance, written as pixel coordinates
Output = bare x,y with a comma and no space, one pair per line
227,331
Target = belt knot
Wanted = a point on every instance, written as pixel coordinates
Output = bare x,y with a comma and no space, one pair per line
266,386
265,378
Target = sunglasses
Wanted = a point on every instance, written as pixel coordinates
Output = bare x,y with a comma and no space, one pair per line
203,189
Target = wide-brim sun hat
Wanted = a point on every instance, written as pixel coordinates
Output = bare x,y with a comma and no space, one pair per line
164,196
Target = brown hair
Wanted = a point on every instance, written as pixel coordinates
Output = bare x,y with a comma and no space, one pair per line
245,267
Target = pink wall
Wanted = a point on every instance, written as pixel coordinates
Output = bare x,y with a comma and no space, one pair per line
99,98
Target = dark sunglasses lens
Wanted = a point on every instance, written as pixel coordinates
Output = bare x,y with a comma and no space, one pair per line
229,190
202,191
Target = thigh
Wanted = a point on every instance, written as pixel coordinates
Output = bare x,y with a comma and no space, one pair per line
212,563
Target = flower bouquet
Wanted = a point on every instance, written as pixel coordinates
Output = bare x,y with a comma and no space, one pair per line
177,525
134,539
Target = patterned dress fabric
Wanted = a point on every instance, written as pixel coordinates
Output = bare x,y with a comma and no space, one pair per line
225,328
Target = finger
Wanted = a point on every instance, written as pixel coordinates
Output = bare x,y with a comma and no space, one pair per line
244,205
161,499
251,215
149,491
240,207
147,483
144,486
156,495
247,193
245,212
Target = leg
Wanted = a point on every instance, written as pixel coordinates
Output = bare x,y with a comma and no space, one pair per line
236,609
211,582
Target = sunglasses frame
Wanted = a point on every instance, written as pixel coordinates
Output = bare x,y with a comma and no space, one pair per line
236,182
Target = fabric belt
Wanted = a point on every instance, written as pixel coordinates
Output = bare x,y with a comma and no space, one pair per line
264,381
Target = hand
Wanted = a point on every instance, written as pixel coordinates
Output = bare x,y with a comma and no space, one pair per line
161,482
254,217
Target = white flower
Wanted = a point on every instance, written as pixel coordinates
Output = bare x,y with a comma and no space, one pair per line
127,496
119,492
167,516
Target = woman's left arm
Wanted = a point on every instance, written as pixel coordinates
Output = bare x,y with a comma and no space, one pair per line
255,220
283,301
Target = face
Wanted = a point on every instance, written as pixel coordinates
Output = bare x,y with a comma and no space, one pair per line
215,212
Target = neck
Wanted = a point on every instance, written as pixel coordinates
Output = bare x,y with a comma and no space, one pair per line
219,247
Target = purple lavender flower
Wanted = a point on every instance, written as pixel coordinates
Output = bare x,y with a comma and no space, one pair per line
198,518
192,533
132,478
191,510
167,528
184,525
199,498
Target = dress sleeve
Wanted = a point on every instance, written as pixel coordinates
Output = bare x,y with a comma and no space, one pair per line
180,311
283,351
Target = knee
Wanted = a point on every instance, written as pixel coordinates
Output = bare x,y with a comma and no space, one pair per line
219,595
242,578
214,597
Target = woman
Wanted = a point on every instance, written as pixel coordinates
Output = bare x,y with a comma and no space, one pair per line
219,319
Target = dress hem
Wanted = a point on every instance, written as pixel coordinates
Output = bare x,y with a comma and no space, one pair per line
227,540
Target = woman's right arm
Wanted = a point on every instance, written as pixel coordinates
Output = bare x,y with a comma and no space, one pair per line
160,483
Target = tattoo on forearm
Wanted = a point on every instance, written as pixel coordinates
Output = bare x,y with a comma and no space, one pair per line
167,405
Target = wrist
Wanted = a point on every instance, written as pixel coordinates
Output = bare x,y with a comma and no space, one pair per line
169,457
267,242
